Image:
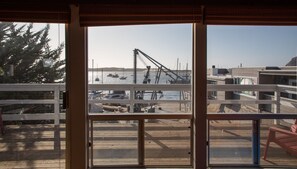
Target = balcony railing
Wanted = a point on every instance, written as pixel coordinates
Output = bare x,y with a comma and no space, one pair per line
56,89
56,100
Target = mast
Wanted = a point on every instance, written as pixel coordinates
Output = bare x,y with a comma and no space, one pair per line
177,68
135,65
92,71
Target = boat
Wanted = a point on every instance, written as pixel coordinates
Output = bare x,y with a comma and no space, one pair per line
97,78
123,77
115,75
116,95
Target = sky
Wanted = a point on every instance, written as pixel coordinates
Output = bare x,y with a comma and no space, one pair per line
113,46
227,46
230,46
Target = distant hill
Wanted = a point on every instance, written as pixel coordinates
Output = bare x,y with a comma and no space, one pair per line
130,69
115,69
293,62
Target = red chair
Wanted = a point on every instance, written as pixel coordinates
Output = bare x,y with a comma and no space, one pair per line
284,138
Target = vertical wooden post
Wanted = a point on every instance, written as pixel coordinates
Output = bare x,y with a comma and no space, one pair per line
141,142
92,143
76,86
132,98
256,142
1,122
57,105
277,104
199,97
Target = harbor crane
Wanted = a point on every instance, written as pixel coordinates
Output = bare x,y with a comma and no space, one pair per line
174,77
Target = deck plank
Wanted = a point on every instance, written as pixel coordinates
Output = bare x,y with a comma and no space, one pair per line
167,142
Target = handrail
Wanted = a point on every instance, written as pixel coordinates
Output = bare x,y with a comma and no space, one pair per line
137,116
249,116
58,87
236,87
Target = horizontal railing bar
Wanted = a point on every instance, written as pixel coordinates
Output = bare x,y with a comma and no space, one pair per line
27,101
164,87
127,166
31,87
235,87
44,116
241,101
137,116
287,88
249,116
157,87
139,101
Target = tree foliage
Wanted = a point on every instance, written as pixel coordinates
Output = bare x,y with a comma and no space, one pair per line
23,53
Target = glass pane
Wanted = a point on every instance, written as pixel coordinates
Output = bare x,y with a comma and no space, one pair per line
114,142
167,142
122,56
141,69
250,70
230,142
32,79
243,58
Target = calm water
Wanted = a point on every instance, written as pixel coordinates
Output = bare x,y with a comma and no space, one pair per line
104,79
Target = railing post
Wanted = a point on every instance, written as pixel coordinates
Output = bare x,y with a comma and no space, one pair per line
57,105
132,98
256,142
92,144
276,109
141,142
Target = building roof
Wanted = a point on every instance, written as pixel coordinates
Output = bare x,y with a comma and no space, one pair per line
279,72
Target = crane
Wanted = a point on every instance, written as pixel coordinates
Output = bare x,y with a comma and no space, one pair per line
175,78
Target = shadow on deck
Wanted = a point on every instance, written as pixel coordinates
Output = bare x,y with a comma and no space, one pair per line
167,142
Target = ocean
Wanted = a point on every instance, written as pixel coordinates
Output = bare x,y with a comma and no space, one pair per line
104,79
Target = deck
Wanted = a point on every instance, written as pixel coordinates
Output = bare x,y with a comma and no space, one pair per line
167,142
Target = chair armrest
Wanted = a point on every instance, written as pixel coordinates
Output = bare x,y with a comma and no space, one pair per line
287,132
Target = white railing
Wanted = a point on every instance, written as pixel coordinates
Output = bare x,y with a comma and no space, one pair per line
57,88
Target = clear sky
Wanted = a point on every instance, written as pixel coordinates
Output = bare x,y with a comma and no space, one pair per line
227,46
113,46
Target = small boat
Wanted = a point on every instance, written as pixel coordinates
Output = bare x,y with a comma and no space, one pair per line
97,79
109,75
115,75
123,77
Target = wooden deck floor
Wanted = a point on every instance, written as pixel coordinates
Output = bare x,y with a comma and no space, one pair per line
167,142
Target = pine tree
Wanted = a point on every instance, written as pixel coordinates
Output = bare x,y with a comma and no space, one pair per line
23,53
